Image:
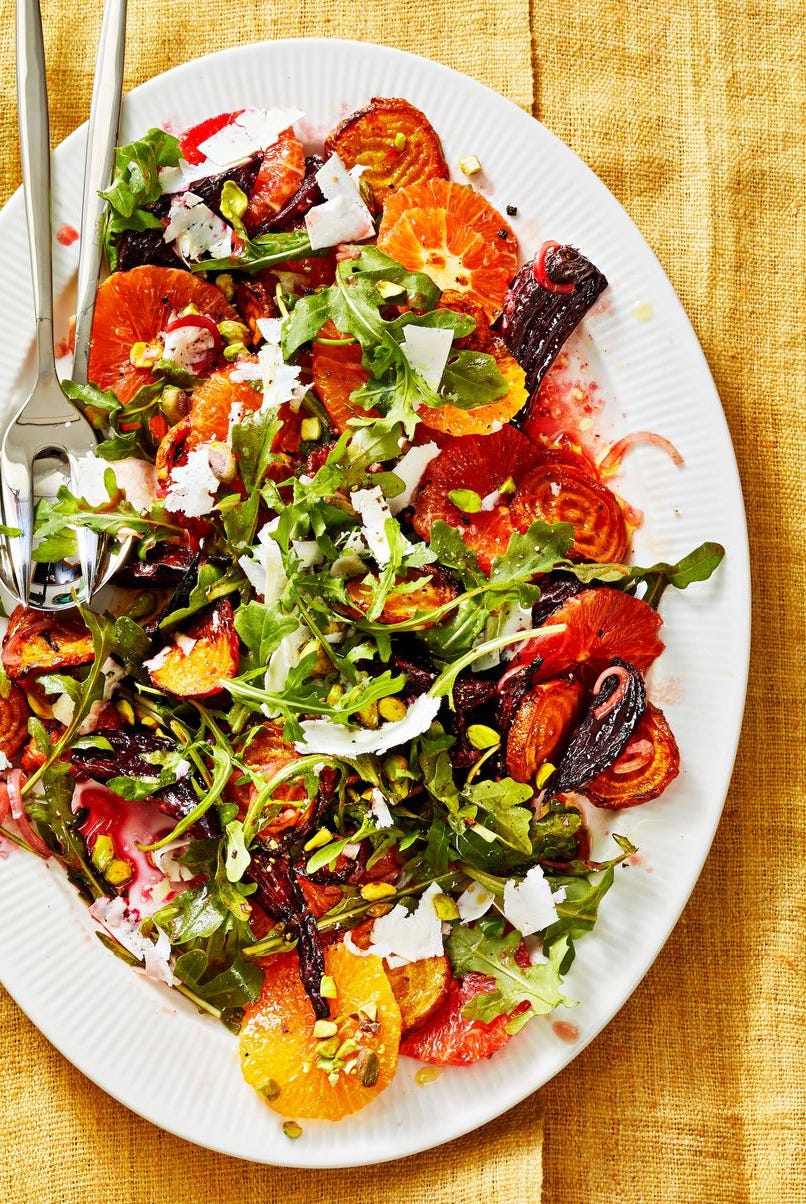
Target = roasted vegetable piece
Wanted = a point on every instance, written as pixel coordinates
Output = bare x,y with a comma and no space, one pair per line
650,761
450,1039
277,181
172,450
561,493
211,657
541,726
482,464
304,1075
455,236
597,625
406,600
420,989
547,300
41,642
337,373
395,142
617,704
13,719
134,307
280,896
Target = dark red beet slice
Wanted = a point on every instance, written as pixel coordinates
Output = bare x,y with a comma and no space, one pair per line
536,321
603,734
307,195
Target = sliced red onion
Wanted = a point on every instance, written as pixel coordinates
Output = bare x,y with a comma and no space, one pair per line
612,458
636,756
615,698
27,832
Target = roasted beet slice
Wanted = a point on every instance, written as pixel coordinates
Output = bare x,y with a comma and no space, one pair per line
137,247
292,213
280,896
563,493
163,565
39,641
409,657
546,301
542,725
13,720
198,660
405,600
553,594
617,704
648,764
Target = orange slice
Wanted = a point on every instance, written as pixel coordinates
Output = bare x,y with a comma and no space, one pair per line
280,176
337,372
453,235
283,1059
211,403
482,420
133,307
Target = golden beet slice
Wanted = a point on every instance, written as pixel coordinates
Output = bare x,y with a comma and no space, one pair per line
407,599
562,493
266,754
648,764
420,990
13,720
201,658
37,642
395,142
327,1072
541,726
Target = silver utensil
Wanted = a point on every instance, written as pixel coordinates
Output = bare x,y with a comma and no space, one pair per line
48,429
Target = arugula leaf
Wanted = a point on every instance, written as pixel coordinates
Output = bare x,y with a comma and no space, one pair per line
135,186
262,252
500,800
482,950
537,550
239,984
698,565
472,378
262,629
52,812
577,913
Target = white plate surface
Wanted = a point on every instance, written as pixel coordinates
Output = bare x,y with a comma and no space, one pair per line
139,1041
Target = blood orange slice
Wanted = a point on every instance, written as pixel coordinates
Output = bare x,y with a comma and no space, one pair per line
481,464
280,176
133,307
211,405
451,1039
482,420
599,625
337,372
453,235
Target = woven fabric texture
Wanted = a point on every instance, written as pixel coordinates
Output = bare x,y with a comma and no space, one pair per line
692,113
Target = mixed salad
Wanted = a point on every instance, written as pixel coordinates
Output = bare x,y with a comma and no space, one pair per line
322,765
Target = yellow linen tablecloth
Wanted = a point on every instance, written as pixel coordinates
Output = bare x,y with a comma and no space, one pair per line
692,114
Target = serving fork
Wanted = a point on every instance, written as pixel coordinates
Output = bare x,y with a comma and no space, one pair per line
49,430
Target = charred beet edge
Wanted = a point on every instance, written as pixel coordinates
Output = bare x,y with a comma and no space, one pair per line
126,758
328,780
164,565
307,195
599,741
279,894
412,659
536,321
554,594
137,247
511,693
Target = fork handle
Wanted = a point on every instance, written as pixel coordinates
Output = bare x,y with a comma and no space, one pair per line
101,140
34,129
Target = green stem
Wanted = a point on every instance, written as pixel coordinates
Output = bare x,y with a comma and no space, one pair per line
447,679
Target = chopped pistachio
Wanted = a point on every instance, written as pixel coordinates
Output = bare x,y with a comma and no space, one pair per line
191,309
368,1067
125,710
346,1048
103,852
145,355
310,428
233,332
508,486
334,694
317,841
481,736
227,285
466,500
327,1048
292,1129
543,774
370,1010
400,140
388,289
327,987
325,1028
445,907
470,165
373,891
392,709
118,872
233,351
368,717
379,909
269,1088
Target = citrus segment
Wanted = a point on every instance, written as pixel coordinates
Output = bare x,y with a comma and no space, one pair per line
482,420
280,175
393,141
453,235
337,373
299,1073
134,307
211,406
451,1039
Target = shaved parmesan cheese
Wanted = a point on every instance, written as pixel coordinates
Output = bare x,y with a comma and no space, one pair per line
490,501
279,381
112,915
252,130
188,346
403,937
333,739
343,217
427,351
474,902
4,761
285,657
264,566
373,509
508,621
192,486
410,469
380,809
529,905
63,709
137,479
159,659
185,643
196,229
